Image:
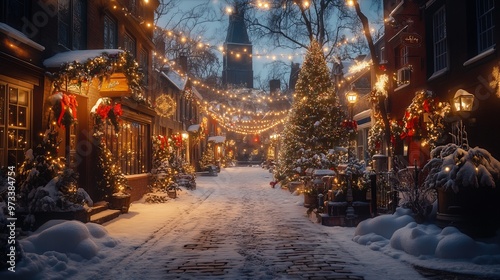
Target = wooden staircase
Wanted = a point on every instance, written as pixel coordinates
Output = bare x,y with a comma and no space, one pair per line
100,213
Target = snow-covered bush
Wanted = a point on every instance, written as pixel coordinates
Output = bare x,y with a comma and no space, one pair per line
452,167
409,184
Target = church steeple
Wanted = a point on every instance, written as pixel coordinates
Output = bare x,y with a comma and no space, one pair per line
237,60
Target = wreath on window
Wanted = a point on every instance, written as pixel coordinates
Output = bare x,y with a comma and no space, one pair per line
165,106
107,111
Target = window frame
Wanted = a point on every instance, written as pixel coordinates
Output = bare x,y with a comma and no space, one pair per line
439,41
5,127
485,25
134,159
110,32
73,39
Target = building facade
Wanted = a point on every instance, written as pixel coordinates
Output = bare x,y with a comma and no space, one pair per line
41,38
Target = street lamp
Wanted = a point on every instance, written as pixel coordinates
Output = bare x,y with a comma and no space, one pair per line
462,102
185,138
352,98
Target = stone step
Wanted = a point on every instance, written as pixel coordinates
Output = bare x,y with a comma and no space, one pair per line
98,207
104,216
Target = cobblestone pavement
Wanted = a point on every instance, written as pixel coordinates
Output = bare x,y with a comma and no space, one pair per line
433,274
239,231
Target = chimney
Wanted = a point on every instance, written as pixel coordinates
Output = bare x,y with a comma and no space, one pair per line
274,86
294,75
182,60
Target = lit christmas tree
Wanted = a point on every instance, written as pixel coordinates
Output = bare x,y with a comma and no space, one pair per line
207,158
314,124
162,173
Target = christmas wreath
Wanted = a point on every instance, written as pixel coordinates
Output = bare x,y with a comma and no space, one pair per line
165,106
423,119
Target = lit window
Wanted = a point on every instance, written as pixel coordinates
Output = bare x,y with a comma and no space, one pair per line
15,126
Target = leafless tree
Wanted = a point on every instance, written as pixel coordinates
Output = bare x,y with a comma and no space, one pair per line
293,24
181,32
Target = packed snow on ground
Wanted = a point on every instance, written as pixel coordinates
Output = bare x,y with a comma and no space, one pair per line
62,249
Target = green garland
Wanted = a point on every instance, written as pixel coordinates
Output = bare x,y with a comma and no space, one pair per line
102,67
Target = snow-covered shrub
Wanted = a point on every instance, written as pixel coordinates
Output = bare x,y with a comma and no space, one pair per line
409,184
455,168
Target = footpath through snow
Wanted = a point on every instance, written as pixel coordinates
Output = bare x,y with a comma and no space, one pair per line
233,226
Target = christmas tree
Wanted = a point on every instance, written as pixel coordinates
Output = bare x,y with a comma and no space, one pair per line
162,174
314,123
207,158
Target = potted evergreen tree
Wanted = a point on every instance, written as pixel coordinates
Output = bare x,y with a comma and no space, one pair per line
467,182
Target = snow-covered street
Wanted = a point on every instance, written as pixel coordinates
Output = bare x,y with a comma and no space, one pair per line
233,226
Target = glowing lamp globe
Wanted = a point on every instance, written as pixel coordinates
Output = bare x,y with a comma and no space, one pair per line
351,97
463,101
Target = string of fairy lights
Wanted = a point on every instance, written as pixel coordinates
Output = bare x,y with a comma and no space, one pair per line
232,118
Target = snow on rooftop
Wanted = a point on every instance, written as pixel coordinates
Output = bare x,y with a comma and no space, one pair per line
193,128
80,56
18,35
177,80
217,139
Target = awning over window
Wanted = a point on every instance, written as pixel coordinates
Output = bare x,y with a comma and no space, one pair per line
193,128
217,139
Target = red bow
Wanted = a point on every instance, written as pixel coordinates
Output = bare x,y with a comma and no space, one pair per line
68,103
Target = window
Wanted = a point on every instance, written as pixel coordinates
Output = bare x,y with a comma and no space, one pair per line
109,33
132,7
129,43
71,27
403,76
383,59
143,62
403,55
485,24
130,146
439,41
14,123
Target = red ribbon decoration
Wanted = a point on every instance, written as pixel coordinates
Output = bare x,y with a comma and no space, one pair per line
68,102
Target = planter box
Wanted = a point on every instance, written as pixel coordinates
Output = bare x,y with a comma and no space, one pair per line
121,202
293,186
475,212
310,200
172,193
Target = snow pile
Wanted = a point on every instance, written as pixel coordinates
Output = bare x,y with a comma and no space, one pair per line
49,250
425,241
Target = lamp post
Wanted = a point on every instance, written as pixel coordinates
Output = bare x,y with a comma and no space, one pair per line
462,102
352,98
185,138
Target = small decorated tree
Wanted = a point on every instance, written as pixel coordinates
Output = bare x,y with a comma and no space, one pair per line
207,158
46,184
162,177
